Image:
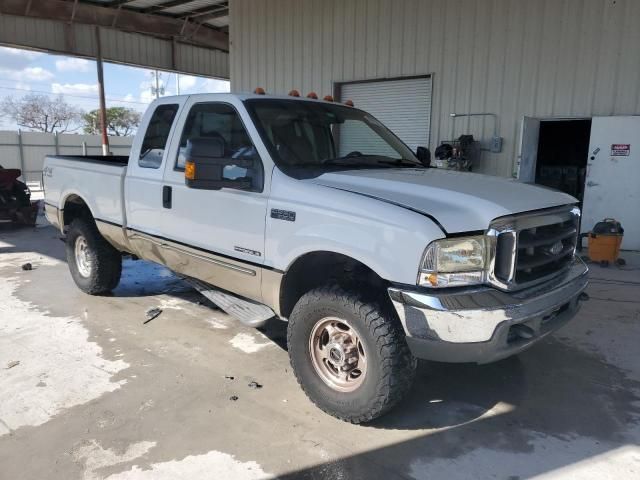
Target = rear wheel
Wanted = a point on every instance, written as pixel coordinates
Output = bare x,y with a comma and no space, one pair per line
349,355
94,264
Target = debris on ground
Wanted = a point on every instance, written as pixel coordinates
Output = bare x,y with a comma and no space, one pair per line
255,385
233,398
229,377
12,364
152,313
27,266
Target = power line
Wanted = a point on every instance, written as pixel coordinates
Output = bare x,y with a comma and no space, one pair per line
72,95
30,82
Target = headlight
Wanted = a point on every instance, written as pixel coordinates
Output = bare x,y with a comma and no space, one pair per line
453,262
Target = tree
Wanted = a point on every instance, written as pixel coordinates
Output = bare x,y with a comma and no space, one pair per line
41,113
121,121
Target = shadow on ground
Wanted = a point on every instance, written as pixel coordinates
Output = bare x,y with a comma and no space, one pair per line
18,242
555,395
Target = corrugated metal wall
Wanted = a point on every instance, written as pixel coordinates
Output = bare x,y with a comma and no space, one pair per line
511,57
117,46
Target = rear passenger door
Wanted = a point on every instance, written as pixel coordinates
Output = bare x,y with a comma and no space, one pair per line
143,182
217,235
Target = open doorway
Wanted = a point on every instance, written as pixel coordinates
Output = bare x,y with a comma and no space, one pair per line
554,153
563,148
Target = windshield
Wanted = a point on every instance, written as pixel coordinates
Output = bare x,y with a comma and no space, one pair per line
321,135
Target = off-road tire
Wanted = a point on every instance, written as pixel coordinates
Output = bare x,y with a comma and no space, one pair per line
106,261
390,366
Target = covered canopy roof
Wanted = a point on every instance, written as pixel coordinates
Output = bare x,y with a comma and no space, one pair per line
210,13
188,36
199,22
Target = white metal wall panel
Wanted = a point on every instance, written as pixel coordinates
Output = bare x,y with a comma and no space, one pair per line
402,105
537,58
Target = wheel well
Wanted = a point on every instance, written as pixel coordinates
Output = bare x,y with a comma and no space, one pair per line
75,207
321,268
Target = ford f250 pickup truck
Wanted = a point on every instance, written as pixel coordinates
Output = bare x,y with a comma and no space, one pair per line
315,213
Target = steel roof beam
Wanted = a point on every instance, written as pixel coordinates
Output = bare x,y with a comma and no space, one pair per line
213,15
205,11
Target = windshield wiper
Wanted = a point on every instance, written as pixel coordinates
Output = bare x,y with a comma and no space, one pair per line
370,161
401,163
345,162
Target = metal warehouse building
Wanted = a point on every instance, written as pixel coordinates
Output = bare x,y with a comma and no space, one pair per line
540,74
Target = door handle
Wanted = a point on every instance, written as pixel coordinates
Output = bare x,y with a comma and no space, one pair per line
166,196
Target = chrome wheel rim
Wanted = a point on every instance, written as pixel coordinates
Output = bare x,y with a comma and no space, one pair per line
83,260
337,354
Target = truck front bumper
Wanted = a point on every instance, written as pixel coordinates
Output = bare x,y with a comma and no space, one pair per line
483,325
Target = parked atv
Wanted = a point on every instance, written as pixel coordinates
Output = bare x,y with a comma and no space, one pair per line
15,199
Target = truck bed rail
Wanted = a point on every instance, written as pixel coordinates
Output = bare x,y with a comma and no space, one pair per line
119,160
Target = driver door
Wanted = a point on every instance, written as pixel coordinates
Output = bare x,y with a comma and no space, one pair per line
216,235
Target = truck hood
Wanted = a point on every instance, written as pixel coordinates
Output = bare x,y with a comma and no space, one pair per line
459,201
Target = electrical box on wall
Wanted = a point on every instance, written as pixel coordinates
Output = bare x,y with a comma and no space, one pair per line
496,144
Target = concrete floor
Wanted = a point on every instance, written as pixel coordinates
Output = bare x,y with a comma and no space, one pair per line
99,394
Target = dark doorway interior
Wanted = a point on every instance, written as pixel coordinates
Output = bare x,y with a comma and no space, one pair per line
563,147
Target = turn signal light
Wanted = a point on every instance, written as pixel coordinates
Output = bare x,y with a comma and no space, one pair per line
259,91
313,95
349,103
294,93
190,171
328,98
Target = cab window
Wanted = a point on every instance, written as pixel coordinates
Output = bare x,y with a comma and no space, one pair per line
156,136
221,121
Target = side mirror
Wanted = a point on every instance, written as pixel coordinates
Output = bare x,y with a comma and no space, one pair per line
424,155
205,164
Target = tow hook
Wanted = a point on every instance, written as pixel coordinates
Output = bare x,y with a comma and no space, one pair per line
523,331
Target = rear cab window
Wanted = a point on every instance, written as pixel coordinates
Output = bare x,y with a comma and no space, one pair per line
156,136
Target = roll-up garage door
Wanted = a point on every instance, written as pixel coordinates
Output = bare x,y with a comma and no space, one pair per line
403,105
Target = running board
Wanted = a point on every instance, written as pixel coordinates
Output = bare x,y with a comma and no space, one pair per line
251,314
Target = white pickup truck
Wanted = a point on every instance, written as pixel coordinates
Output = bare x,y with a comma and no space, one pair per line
314,212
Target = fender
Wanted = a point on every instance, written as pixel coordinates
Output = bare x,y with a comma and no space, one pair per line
387,238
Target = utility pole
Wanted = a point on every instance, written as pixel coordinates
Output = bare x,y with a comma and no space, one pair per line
103,107
157,90
178,83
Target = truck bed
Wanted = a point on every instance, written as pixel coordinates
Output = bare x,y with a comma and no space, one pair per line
97,180
109,160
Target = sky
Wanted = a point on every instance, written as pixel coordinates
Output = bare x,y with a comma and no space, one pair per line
25,71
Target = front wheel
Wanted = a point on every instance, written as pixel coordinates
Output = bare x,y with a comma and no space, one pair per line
348,355
94,264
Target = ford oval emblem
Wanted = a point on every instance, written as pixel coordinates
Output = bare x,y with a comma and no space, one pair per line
556,248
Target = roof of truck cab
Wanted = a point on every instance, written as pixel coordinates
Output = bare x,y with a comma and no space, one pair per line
247,96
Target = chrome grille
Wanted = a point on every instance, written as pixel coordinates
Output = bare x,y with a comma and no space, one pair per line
533,247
